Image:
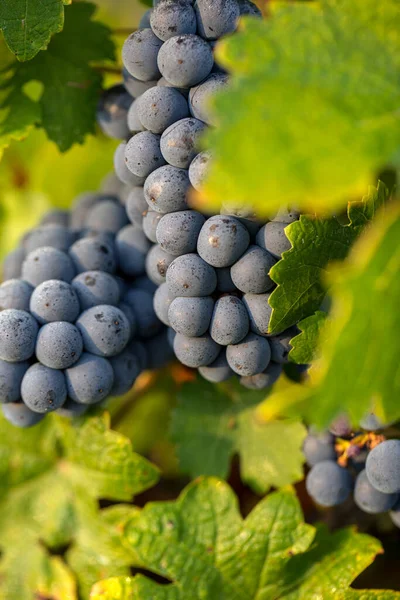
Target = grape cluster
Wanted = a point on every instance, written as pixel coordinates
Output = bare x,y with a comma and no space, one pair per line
364,463
212,271
76,311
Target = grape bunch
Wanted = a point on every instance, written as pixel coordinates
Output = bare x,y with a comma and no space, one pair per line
76,311
211,271
364,463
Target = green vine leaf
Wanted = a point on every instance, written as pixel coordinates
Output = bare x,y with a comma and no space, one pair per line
210,424
304,104
201,544
52,477
315,243
58,89
304,345
28,25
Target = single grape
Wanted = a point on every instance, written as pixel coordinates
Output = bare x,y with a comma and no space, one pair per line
185,60
90,380
54,300
112,112
225,283
59,345
140,351
328,484
280,345
103,237
42,389
157,264
143,154
199,168
11,375
15,293
162,302
218,371
160,107
250,273
369,499
216,18
180,141
263,380
166,188
195,351
251,356
341,427
177,232
90,254
47,263
126,367
134,123
134,86
259,312
71,409
18,335
383,466
132,247
55,236
142,304
139,55
150,224
286,215
81,207
249,8
122,171
272,238
230,321
142,283
56,216
95,287
201,95
173,17
190,276
318,447
222,241
107,215
191,316
20,415
12,264
136,206
105,330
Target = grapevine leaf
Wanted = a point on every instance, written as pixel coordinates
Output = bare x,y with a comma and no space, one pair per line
203,546
51,479
304,345
69,87
361,342
315,243
306,120
29,24
212,424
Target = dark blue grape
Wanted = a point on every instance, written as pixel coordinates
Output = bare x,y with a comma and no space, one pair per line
201,95
59,345
54,236
157,264
47,263
198,169
11,375
122,171
230,321
196,351
259,312
132,247
328,484
90,254
263,380
216,18
54,300
143,154
249,8
222,241
272,238
81,207
18,335
218,371
179,143
136,206
190,276
185,60
134,86
369,499
251,356
173,17
107,215
166,188
142,304
280,345
383,467
162,302
318,447
126,367
150,224
177,232
12,264
160,107
250,273
15,293
95,287
20,415
191,316
43,390
112,112
139,55
105,330
90,380
134,123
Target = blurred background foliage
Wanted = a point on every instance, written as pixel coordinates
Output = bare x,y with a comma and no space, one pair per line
34,174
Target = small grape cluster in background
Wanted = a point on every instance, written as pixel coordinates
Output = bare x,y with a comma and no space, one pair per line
212,271
77,320
364,463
